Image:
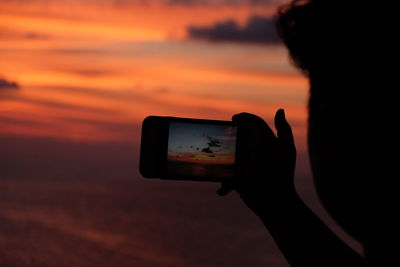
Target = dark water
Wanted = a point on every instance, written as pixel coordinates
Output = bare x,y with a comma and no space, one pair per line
77,204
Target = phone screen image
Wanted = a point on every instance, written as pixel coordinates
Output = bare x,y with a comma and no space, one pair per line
201,150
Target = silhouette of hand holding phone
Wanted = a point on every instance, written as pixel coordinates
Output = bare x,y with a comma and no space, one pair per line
266,171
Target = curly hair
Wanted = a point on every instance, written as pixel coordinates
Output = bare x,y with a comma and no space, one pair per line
315,31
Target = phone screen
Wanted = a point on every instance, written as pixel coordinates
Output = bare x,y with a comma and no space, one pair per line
201,150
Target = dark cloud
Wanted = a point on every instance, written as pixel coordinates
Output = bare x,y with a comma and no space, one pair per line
60,105
136,94
5,84
104,125
9,33
224,2
206,150
212,142
256,30
90,72
76,51
205,2
36,36
20,122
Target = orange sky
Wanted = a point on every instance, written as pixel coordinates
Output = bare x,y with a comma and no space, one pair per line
204,158
92,70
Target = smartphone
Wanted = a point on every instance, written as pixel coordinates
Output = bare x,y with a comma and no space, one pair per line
188,149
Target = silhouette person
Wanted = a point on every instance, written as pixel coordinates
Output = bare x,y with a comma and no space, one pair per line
350,131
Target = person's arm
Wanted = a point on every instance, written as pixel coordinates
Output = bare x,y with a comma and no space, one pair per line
304,239
266,185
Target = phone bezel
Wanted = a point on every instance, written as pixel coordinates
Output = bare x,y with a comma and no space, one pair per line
158,149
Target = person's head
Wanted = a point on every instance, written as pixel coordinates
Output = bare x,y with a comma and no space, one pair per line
332,42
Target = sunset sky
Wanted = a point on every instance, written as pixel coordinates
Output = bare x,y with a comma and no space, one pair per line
77,77
85,67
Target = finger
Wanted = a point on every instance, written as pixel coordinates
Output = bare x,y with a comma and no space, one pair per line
225,188
285,134
247,119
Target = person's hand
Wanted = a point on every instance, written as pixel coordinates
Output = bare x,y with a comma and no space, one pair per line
265,174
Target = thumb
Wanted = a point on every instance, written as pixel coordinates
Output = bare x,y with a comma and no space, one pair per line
285,135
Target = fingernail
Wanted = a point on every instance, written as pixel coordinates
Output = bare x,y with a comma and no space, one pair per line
281,115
